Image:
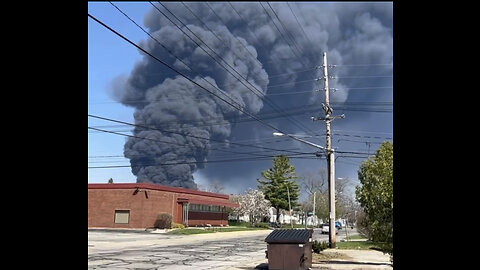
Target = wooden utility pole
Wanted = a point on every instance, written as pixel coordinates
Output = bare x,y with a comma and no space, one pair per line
330,157
329,153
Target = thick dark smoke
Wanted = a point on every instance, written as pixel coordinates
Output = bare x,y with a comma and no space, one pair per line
244,37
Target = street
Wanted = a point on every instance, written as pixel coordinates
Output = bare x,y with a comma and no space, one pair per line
317,234
143,250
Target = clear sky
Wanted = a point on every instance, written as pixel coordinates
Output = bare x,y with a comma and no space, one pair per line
109,56
356,36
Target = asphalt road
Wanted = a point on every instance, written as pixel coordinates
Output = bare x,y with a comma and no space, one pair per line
142,250
128,250
317,234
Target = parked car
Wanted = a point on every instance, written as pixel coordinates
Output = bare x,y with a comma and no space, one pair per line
326,229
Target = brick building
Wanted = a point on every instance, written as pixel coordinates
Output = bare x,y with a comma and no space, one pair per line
137,205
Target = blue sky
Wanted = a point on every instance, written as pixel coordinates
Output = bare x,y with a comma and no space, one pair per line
110,57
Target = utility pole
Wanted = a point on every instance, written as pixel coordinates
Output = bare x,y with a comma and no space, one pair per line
330,156
289,206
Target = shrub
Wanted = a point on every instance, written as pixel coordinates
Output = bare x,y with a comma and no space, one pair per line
164,221
319,246
238,223
177,226
261,225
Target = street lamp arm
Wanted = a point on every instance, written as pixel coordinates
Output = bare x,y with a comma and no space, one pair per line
298,139
309,143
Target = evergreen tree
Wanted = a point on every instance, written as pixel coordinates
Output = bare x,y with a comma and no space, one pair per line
277,185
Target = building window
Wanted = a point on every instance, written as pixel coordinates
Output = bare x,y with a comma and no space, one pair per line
206,208
122,216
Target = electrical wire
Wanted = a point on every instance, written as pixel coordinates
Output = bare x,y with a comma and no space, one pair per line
181,144
300,110
254,57
273,105
281,34
172,68
301,27
171,53
193,162
285,29
181,74
174,132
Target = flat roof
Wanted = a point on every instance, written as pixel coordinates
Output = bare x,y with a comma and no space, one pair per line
155,187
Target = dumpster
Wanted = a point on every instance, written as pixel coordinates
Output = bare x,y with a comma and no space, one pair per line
289,249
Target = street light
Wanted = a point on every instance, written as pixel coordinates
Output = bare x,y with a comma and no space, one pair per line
331,183
298,139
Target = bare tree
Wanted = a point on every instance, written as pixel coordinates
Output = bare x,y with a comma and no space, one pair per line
343,197
313,183
317,185
214,187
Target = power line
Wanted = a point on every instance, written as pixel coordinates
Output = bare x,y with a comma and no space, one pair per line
268,94
281,34
145,155
227,28
171,53
193,162
273,105
253,34
285,29
362,131
244,21
299,110
367,142
206,45
360,65
247,153
180,144
156,59
199,19
363,77
175,132
180,73
234,143
301,27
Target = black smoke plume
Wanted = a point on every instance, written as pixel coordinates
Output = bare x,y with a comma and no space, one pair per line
246,37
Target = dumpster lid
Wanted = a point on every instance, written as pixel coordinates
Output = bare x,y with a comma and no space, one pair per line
289,236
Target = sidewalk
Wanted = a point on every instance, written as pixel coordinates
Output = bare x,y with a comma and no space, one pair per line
351,259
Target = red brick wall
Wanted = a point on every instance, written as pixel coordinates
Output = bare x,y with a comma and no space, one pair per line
102,204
